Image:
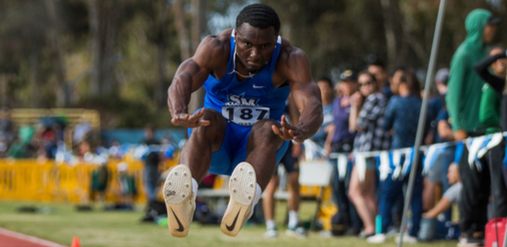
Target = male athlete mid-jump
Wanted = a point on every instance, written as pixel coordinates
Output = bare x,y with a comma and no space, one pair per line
248,73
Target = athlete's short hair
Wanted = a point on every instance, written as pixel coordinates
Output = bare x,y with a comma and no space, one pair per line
259,16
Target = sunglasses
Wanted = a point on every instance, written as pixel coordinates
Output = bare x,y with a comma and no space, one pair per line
364,84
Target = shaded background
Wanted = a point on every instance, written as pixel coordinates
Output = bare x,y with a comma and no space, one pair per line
119,56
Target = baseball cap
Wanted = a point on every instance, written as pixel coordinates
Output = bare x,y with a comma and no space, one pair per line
348,75
494,20
442,75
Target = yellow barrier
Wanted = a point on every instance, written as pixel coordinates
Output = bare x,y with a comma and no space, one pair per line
29,179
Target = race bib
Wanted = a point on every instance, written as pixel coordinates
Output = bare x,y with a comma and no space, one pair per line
245,115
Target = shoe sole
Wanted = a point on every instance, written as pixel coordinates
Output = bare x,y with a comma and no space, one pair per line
177,188
242,186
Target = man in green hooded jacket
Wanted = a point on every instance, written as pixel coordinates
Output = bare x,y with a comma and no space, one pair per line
463,102
465,86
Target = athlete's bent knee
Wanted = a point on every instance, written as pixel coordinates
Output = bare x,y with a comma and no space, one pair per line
264,129
216,126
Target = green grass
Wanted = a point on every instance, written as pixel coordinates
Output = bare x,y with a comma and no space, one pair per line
99,228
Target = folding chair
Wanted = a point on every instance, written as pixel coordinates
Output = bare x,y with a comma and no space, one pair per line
315,173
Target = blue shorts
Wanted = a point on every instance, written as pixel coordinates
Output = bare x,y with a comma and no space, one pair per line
233,149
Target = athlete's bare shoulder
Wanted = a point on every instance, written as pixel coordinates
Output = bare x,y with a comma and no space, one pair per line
293,64
213,51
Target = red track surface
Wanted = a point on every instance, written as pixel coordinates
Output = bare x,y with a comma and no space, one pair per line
14,239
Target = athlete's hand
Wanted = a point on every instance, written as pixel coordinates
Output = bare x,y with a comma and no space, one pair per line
288,132
190,121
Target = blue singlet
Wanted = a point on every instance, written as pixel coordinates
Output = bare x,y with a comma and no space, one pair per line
242,104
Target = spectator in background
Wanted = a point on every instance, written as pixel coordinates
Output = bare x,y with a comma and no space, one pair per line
429,229
394,79
49,141
497,82
378,69
367,118
6,126
436,104
440,131
401,117
489,114
168,148
397,210
322,137
84,149
128,190
290,161
151,163
480,183
463,103
451,195
465,86
99,182
342,142
23,147
7,134
438,172
82,130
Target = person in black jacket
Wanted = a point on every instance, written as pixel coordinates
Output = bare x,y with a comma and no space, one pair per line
497,83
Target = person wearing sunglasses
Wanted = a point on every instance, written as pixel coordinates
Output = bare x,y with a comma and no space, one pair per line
367,118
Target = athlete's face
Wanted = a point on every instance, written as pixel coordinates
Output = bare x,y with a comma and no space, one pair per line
255,46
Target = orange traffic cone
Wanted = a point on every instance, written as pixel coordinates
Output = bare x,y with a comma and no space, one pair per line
75,242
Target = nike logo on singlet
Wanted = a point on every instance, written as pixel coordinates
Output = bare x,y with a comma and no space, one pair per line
257,87
180,226
231,227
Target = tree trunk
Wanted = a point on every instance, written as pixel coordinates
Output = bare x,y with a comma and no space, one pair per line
34,77
160,101
110,19
197,13
95,48
162,77
179,18
103,18
63,94
389,31
197,99
4,86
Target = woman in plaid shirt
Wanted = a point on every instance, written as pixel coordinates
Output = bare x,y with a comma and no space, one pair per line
367,118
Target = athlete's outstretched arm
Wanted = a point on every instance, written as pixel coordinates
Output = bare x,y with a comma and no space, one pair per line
190,76
306,95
